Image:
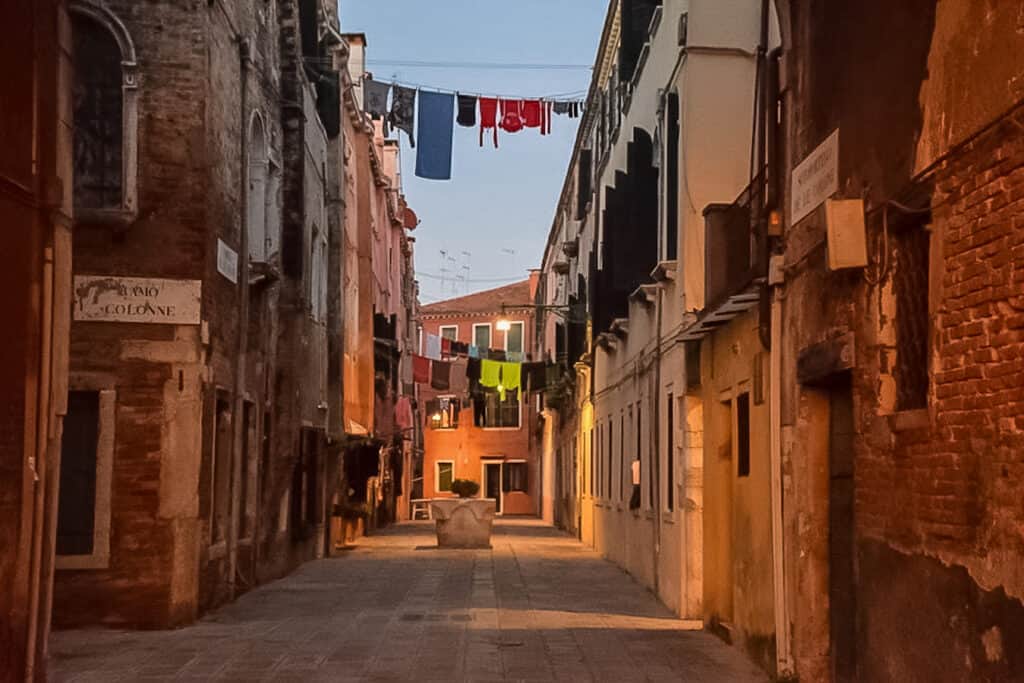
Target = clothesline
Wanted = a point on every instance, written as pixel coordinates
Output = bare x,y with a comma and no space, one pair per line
435,113
571,95
578,94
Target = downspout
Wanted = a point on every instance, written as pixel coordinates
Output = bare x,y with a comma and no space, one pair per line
783,646
656,453
243,321
39,464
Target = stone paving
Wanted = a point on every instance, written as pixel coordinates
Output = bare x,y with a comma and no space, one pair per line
538,607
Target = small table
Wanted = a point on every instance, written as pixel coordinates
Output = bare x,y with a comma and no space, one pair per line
421,506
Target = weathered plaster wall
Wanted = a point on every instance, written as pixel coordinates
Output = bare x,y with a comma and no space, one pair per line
738,588
931,487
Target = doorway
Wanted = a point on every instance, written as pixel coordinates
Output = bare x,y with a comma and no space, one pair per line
842,580
492,483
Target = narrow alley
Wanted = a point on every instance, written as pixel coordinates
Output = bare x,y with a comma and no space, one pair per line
538,606
459,341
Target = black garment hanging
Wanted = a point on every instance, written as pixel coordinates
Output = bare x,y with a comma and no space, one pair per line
375,97
403,110
467,111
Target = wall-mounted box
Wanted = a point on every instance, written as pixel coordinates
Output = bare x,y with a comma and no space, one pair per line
847,237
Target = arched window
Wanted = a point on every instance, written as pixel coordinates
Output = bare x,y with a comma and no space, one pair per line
257,197
105,113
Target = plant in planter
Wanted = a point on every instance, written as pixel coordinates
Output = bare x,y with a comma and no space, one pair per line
464,488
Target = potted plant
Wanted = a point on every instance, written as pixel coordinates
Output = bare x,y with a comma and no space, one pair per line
463,522
464,488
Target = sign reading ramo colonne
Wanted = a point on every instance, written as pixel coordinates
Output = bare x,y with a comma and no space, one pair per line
137,300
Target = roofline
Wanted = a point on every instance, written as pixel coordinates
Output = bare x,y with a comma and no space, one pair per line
585,122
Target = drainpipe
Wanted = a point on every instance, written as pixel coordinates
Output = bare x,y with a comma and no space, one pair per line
238,438
783,646
656,471
39,457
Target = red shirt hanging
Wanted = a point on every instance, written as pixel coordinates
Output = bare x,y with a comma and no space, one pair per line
488,118
511,116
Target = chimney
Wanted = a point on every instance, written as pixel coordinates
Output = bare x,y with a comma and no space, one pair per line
356,62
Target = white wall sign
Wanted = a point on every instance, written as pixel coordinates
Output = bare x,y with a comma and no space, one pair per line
227,261
815,179
137,300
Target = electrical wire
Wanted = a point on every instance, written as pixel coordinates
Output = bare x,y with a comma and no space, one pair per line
569,95
432,276
513,66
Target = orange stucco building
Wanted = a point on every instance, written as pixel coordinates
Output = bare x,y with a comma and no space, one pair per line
495,443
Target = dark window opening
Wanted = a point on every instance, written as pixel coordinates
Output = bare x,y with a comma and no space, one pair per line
670,501
98,116
610,456
592,481
221,472
743,435
77,507
622,456
913,326
515,476
584,187
248,452
672,179
498,413
634,501
445,475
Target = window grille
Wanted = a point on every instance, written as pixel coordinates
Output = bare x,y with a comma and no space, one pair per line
910,283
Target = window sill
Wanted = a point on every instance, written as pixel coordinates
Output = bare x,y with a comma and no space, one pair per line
907,420
72,562
501,429
120,218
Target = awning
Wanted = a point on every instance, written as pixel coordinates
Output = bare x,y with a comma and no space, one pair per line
711,319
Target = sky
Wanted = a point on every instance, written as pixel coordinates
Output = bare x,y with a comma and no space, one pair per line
493,217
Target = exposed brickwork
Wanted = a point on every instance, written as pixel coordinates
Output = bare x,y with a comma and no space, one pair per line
193,122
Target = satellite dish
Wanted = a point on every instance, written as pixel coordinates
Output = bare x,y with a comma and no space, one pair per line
409,219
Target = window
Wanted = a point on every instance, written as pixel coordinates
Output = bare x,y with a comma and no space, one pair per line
670,502
501,414
482,335
913,324
514,338
87,450
444,473
247,504
671,245
318,276
221,480
450,332
638,460
104,98
443,412
627,480
610,456
256,216
620,491
591,459
515,477
743,435
583,183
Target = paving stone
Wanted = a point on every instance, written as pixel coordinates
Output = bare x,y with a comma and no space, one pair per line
537,607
